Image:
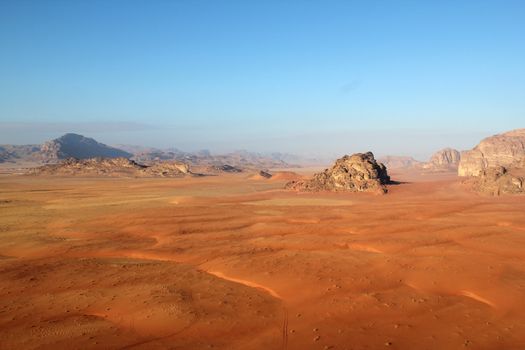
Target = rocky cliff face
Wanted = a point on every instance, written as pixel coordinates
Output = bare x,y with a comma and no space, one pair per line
499,180
359,172
445,159
498,150
80,147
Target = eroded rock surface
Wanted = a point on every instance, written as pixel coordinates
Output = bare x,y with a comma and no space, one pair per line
359,172
111,167
444,159
498,150
499,180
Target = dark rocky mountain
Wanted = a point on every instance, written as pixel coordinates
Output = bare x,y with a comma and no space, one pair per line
79,147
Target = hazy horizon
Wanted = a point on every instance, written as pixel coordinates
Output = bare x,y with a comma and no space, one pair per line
308,78
327,145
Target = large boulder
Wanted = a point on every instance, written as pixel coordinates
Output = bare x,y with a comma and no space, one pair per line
79,147
359,172
498,150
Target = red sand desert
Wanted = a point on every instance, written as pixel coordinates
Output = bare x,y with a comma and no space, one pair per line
235,262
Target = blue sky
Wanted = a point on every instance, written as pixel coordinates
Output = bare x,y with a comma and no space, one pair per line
309,77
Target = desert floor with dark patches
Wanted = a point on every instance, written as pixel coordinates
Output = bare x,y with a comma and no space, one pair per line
235,262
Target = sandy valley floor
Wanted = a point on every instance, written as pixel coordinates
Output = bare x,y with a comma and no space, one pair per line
230,262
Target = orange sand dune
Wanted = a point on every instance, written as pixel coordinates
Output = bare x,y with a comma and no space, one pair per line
228,262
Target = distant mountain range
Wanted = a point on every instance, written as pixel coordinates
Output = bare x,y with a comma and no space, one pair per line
66,146
80,147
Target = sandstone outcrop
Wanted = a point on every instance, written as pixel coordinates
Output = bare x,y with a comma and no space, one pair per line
498,150
359,172
399,162
499,180
116,167
79,147
445,159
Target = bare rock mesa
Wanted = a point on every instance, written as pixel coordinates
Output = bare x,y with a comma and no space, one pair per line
498,150
359,172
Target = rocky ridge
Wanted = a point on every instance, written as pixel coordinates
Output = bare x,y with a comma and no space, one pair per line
113,167
16,153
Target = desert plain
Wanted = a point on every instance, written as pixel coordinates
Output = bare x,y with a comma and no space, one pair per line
236,262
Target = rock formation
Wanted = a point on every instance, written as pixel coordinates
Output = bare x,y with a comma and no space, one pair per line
265,174
445,159
168,169
399,162
111,167
239,159
79,147
5,155
217,169
16,153
498,150
499,180
359,172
